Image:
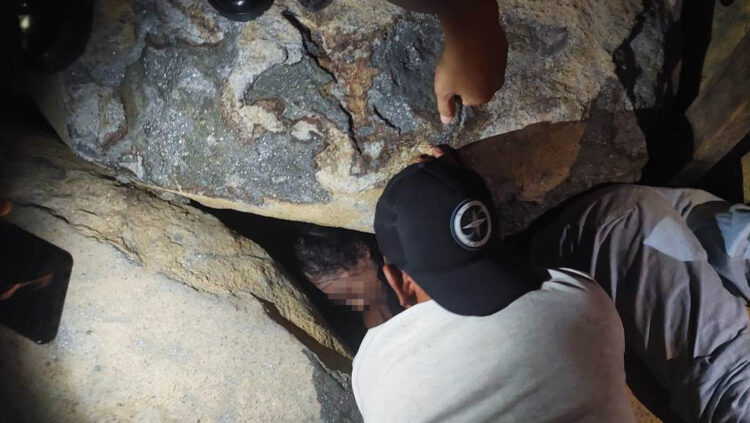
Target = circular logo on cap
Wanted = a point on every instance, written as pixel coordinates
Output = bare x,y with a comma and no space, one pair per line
471,225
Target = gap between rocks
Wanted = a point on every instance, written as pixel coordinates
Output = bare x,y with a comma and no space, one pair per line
277,237
315,52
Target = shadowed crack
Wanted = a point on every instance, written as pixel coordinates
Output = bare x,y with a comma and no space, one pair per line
312,47
332,409
350,129
332,361
385,120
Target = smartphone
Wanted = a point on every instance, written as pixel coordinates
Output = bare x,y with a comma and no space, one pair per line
34,276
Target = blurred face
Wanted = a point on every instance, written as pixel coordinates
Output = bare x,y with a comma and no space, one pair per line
357,287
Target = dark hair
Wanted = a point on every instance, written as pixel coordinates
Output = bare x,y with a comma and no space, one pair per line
325,251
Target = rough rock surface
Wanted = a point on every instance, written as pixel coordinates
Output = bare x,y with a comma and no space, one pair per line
137,346
306,116
553,162
173,239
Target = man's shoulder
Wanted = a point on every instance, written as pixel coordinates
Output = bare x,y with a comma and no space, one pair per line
567,297
567,283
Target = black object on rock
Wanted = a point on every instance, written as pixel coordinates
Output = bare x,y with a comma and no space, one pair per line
241,10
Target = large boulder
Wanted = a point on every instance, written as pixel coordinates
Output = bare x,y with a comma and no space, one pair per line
306,116
171,238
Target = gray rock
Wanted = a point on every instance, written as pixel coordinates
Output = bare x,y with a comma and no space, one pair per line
306,116
406,60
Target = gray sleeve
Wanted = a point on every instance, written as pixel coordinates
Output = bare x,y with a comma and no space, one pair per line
679,318
723,230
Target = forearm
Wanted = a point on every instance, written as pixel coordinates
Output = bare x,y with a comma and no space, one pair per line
457,17
472,65
470,22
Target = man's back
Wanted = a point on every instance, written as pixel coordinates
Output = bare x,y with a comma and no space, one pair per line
555,354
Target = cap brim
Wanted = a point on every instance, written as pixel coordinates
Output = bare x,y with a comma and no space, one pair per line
480,288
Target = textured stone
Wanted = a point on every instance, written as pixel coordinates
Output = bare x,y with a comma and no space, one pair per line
135,345
173,239
719,116
306,116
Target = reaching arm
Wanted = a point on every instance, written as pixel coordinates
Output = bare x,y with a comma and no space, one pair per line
473,62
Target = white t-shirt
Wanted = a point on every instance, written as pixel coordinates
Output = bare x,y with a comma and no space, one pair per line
553,355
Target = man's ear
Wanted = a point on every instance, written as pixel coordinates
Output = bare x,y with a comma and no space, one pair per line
401,286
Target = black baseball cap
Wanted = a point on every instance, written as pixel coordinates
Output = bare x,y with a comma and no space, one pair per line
435,221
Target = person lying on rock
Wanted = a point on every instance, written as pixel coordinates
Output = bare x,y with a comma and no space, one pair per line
474,57
345,267
675,263
484,337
